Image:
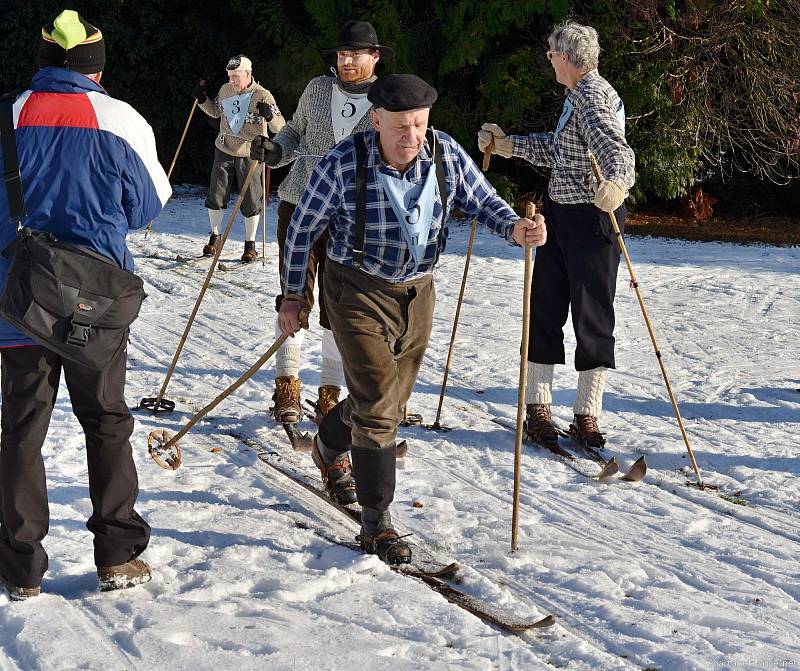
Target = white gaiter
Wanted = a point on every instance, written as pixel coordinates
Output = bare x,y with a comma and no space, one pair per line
539,387
589,399
215,219
332,373
287,358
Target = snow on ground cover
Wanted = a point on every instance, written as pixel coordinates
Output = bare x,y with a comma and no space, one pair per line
652,575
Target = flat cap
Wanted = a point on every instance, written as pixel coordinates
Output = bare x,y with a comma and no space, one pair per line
399,93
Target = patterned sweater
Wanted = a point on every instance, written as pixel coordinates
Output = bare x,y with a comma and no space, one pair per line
309,136
239,145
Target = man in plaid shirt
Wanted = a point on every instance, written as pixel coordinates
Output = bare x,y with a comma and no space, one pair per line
378,275
578,265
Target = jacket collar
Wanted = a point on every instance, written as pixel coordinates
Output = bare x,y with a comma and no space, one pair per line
584,83
59,80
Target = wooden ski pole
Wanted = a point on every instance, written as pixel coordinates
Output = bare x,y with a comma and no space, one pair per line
177,151
487,154
164,448
158,403
436,426
530,212
265,184
648,323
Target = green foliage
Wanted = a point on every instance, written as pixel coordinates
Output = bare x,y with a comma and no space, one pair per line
696,76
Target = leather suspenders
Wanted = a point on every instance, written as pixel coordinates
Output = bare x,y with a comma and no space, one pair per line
361,194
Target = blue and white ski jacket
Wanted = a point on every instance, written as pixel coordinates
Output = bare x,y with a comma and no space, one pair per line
89,170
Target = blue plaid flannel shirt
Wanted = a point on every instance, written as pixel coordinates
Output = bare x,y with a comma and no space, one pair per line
329,202
593,125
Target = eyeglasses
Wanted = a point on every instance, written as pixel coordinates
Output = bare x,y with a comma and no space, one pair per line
551,53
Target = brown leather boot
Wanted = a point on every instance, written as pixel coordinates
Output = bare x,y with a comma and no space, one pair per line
250,254
16,593
328,398
584,429
336,476
287,409
213,244
122,576
539,423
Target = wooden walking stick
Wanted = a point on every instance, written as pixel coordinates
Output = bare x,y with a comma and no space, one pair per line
158,403
177,151
530,212
164,448
487,154
635,285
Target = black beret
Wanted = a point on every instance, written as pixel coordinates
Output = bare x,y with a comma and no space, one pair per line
398,93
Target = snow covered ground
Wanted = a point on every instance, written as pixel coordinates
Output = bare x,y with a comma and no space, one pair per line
654,576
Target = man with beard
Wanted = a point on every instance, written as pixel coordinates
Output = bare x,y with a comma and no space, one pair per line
330,109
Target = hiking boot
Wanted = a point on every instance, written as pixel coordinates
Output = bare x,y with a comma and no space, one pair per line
213,244
287,409
539,424
337,476
328,398
387,544
250,254
133,572
584,430
16,593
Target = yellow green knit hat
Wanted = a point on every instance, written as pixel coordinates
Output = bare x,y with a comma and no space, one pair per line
73,44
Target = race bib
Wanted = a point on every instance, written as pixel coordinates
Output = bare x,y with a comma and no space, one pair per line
346,111
413,207
235,109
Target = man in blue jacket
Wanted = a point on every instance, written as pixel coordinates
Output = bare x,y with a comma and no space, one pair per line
89,173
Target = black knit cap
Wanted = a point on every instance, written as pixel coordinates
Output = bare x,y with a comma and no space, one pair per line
358,35
398,93
73,44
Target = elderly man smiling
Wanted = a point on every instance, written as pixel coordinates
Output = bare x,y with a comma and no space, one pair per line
385,196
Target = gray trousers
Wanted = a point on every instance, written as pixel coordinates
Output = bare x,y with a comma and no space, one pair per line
224,172
382,331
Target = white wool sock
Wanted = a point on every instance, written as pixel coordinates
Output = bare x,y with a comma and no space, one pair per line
589,399
287,358
250,228
332,373
539,387
215,219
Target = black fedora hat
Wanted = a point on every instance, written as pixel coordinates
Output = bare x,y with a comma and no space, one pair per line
358,35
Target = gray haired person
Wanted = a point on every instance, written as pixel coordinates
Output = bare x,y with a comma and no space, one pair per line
577,268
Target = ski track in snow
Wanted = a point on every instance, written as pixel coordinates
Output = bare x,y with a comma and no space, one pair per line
655,575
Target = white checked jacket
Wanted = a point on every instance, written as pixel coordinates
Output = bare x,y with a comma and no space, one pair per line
593,125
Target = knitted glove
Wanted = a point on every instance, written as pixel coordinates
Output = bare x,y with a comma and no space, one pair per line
265,110
608,195
265,150
503,144
199,92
